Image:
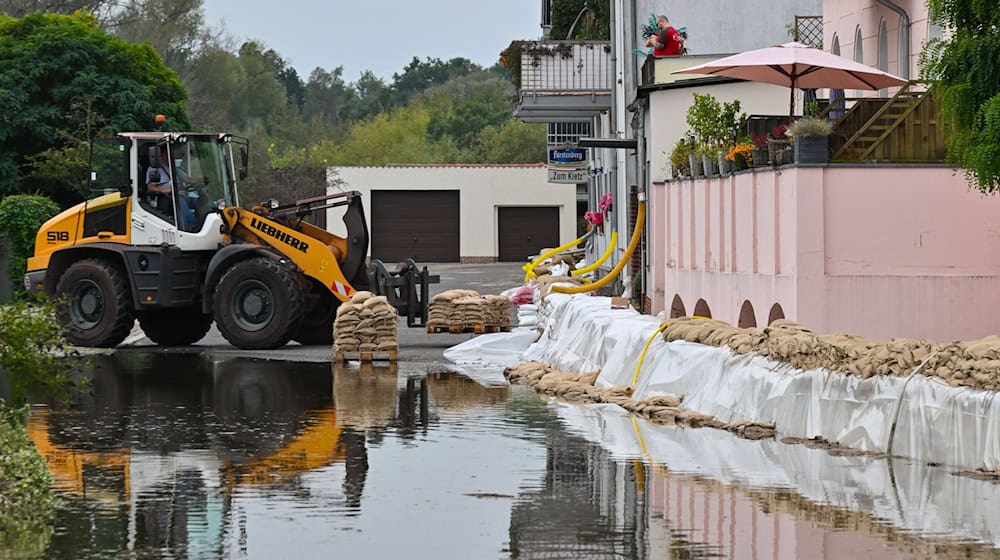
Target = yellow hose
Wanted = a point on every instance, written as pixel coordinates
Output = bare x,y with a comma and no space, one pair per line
632,244
642,357
529,268
600,261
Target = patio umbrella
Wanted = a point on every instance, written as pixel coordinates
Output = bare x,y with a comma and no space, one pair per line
795,65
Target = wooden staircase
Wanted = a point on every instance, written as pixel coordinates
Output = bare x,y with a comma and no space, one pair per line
902,129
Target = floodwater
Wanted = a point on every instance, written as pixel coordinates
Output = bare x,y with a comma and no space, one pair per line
184,456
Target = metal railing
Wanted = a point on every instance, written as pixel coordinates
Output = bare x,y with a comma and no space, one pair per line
549,67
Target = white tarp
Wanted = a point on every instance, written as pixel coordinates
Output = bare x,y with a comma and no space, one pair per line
483,358
911,496
934,422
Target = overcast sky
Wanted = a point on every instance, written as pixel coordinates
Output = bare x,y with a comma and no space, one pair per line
381,36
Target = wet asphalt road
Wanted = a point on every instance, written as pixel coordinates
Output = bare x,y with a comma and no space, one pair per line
416,346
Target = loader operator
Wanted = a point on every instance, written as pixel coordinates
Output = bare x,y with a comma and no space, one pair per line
159,183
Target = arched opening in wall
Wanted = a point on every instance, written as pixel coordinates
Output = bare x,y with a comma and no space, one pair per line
835,45
747,317
776,313
904,49
701,309
677,308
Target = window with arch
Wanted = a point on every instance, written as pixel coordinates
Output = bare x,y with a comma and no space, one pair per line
835,45
859,52
904,50
883,53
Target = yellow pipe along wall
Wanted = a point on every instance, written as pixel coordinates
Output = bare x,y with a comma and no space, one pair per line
529,268
632,244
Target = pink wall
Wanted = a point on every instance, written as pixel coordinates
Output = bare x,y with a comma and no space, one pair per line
877,251
842,18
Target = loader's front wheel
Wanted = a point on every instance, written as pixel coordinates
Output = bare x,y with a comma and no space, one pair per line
258,304
321,310
95,305
175,327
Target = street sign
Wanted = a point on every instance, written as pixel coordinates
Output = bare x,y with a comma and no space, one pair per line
568,164
574,176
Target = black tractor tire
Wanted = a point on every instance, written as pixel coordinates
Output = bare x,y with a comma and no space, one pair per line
94,304
321,310
175,327
259,304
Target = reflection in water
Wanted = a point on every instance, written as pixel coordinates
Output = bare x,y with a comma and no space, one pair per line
181,456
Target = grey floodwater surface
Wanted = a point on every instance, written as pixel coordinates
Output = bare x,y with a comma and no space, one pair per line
189,456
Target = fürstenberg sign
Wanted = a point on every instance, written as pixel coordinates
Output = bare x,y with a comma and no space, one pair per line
568,164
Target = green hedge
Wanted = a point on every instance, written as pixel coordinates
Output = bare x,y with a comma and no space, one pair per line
21,216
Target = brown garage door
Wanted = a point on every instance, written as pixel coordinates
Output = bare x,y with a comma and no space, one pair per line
526,230
422,225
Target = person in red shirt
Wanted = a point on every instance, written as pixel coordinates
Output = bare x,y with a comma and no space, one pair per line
669,42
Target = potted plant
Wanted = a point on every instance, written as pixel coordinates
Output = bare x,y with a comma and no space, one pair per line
812,140
777,140
740,155
680,160
725,164
759,154
708,160
694,162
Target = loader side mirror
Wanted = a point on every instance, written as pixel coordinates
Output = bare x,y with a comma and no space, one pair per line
244,161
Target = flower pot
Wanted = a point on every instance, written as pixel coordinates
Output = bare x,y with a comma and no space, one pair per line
708,163
774,145
695,163
760,156
724,165
812,149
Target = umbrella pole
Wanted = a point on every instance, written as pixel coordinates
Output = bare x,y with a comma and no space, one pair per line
791,104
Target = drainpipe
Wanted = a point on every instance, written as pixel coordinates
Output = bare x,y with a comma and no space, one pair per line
904,33
618,124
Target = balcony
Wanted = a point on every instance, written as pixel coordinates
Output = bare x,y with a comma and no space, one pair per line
659,70
560,81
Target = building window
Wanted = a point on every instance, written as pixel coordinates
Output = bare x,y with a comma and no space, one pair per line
904,50
859,53
835,46
883,53
561,133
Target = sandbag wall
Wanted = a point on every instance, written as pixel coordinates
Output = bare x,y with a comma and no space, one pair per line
916,416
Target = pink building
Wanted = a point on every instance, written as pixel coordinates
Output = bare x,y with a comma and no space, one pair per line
901,247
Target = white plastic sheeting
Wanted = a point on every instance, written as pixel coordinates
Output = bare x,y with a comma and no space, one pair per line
918,417
911,496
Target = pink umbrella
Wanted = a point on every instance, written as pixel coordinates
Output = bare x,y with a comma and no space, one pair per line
796,65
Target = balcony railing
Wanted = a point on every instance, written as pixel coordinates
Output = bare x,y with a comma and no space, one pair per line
554,67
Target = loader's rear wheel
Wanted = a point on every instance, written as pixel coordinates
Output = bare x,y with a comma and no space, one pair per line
259,304
95,305
175,327
321,310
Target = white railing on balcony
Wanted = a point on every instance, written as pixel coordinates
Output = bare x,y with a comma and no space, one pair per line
552,67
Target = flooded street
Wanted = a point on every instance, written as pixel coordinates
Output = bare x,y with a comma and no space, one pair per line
190,456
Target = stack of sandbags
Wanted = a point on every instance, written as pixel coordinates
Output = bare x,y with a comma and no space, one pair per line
366,324
443,312
497,310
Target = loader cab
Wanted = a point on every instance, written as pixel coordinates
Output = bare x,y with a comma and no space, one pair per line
179,183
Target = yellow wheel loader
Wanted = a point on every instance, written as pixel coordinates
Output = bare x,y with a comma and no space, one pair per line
167,242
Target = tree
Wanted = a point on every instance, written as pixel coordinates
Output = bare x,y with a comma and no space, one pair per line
968,74
417,76
511,142
63,80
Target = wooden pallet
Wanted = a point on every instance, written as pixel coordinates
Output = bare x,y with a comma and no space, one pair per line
466,329
391,356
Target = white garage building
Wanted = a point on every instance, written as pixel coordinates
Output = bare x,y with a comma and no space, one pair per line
458,212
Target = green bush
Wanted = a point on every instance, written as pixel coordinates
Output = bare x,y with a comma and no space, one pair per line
20,218
679,158
594,24
26,500
811,126
33,353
